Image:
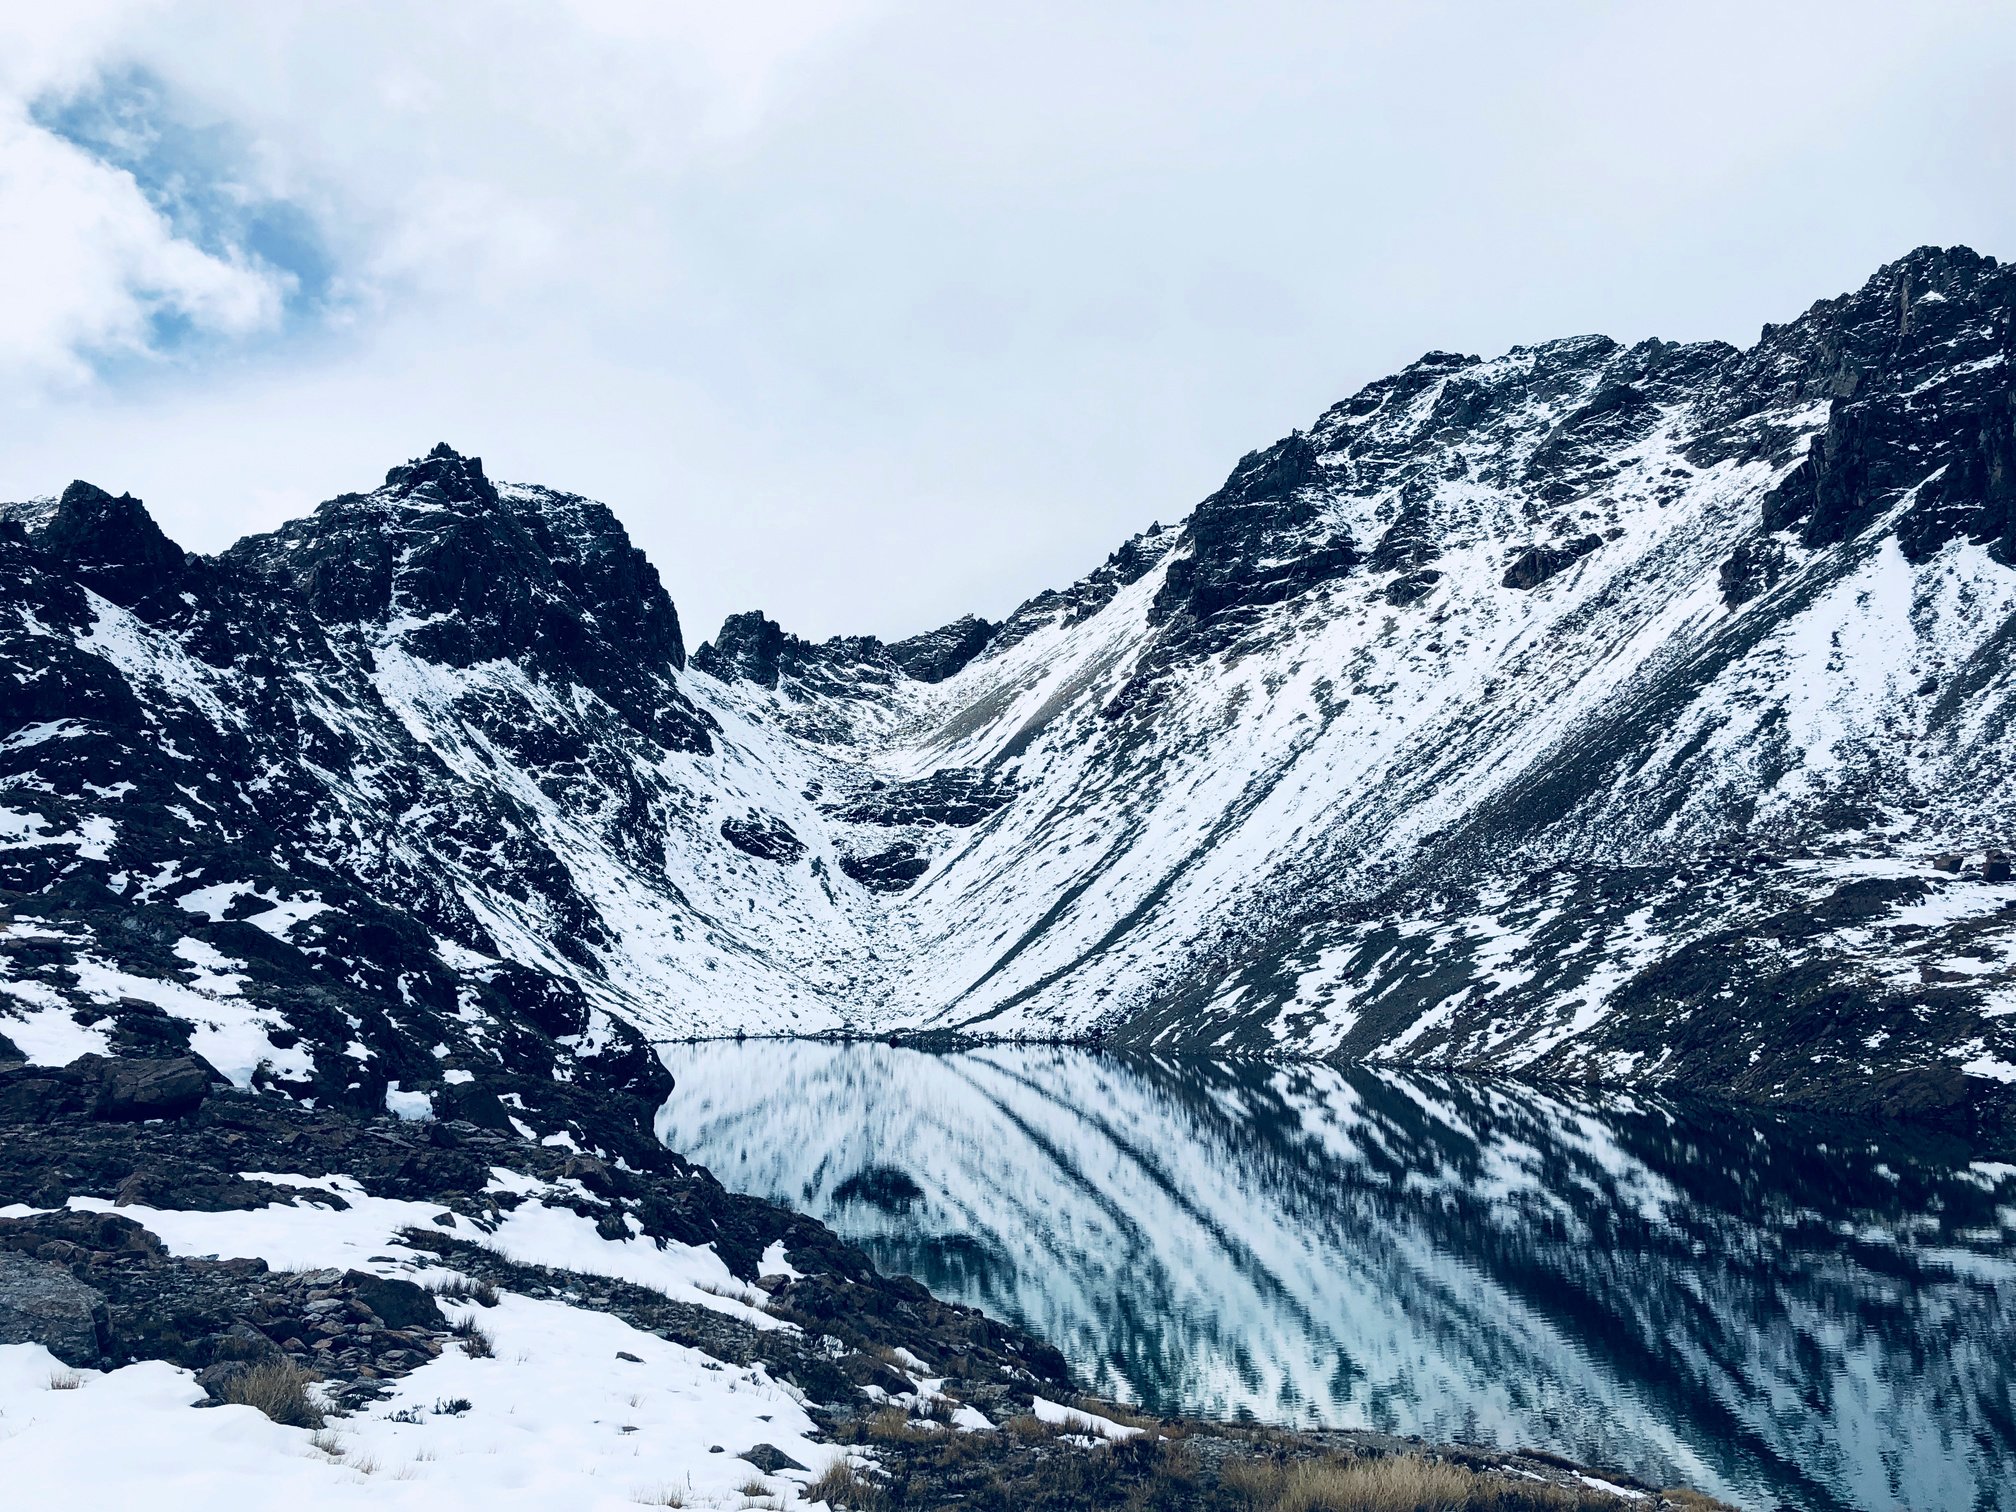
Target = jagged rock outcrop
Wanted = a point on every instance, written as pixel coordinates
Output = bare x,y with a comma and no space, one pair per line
1261,539
754,648
764,836
956,796
1536,564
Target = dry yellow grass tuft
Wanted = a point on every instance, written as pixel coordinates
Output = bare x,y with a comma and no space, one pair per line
1028,1426
841,1485
894,1425
278,1388
1400,1483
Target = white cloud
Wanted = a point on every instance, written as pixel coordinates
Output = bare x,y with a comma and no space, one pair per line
45,46
91,266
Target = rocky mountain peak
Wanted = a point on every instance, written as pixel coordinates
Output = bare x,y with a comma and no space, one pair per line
444,474
112,544
1260,540
1906,312
938,654
753,648
449,568
749,647
1917,369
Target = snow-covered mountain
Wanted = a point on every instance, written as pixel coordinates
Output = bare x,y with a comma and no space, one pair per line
1631,713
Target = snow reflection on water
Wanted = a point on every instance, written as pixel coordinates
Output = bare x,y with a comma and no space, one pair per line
1755,1304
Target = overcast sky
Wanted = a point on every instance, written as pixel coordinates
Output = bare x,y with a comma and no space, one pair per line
871,314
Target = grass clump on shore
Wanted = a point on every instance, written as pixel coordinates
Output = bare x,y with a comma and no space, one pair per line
1398,1483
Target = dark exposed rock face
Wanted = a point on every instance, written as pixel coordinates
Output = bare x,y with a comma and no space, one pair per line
1259,540
754,648
110,1089
469,575
749,648
1920,403
150,1088
113,545
957,796
1536,564
764,836
891,870
1752,568
41,1303
938,654
1412,587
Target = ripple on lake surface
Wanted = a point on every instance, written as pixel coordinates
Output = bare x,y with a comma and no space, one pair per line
1779,1311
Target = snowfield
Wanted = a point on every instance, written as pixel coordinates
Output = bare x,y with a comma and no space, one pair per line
555,1422
556,1418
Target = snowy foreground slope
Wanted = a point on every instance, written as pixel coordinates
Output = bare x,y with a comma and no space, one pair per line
1637,714
470,1317
551,1420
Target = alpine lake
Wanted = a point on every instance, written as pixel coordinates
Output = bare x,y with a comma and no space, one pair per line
1783,1311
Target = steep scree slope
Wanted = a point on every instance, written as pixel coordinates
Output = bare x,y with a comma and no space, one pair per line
1631,713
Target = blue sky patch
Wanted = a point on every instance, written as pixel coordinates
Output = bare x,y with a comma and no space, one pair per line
202,177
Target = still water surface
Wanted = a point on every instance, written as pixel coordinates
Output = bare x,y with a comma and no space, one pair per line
1783,1313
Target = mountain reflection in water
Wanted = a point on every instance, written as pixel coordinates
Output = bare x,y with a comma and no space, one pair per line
1780,1313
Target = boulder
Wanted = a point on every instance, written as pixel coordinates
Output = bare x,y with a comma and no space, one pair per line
590,1172
44,1304
400,1303
36,1094
1995,867
174,1184
475,1104
769,1459
130,1090
1412,587
1952,861
87,1232
765,837
890,870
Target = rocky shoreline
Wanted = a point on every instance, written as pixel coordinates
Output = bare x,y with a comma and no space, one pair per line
924,1403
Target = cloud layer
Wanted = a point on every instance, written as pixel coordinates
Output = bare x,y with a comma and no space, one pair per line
873,313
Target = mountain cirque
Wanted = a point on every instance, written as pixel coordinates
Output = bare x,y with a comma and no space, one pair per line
1633,714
